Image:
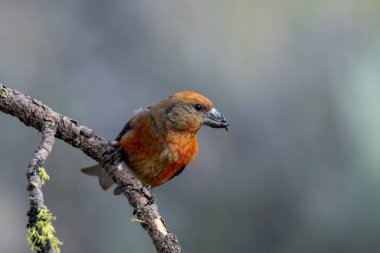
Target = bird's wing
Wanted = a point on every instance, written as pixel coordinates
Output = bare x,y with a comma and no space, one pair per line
127,126
178,172
125,129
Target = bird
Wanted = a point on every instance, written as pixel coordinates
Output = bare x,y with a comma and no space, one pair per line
159,141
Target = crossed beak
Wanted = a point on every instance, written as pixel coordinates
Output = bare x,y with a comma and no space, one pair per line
215,119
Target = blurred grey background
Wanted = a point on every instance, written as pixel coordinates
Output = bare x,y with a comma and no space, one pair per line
299,82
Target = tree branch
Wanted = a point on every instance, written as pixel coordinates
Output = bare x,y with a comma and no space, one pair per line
35,114
40,230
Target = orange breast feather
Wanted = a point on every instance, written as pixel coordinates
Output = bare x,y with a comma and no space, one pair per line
154,155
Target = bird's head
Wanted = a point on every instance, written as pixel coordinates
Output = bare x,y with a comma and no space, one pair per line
188,111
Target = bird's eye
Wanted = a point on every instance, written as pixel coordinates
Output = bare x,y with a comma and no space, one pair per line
198,107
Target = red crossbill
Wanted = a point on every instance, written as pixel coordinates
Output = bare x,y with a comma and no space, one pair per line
160,140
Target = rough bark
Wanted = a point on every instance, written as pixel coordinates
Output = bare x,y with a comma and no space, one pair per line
36,180
35,114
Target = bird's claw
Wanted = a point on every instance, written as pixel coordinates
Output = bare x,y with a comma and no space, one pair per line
152,199
111,156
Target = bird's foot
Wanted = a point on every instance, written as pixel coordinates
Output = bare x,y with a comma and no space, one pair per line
152,199
149,195
111,156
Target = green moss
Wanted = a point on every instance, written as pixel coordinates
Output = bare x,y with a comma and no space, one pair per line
35,185
43,175
136,220
3,91
42,233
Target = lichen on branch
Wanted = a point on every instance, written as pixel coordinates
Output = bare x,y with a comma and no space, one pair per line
40,230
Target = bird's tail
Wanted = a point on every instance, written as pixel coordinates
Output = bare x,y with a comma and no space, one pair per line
105,181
